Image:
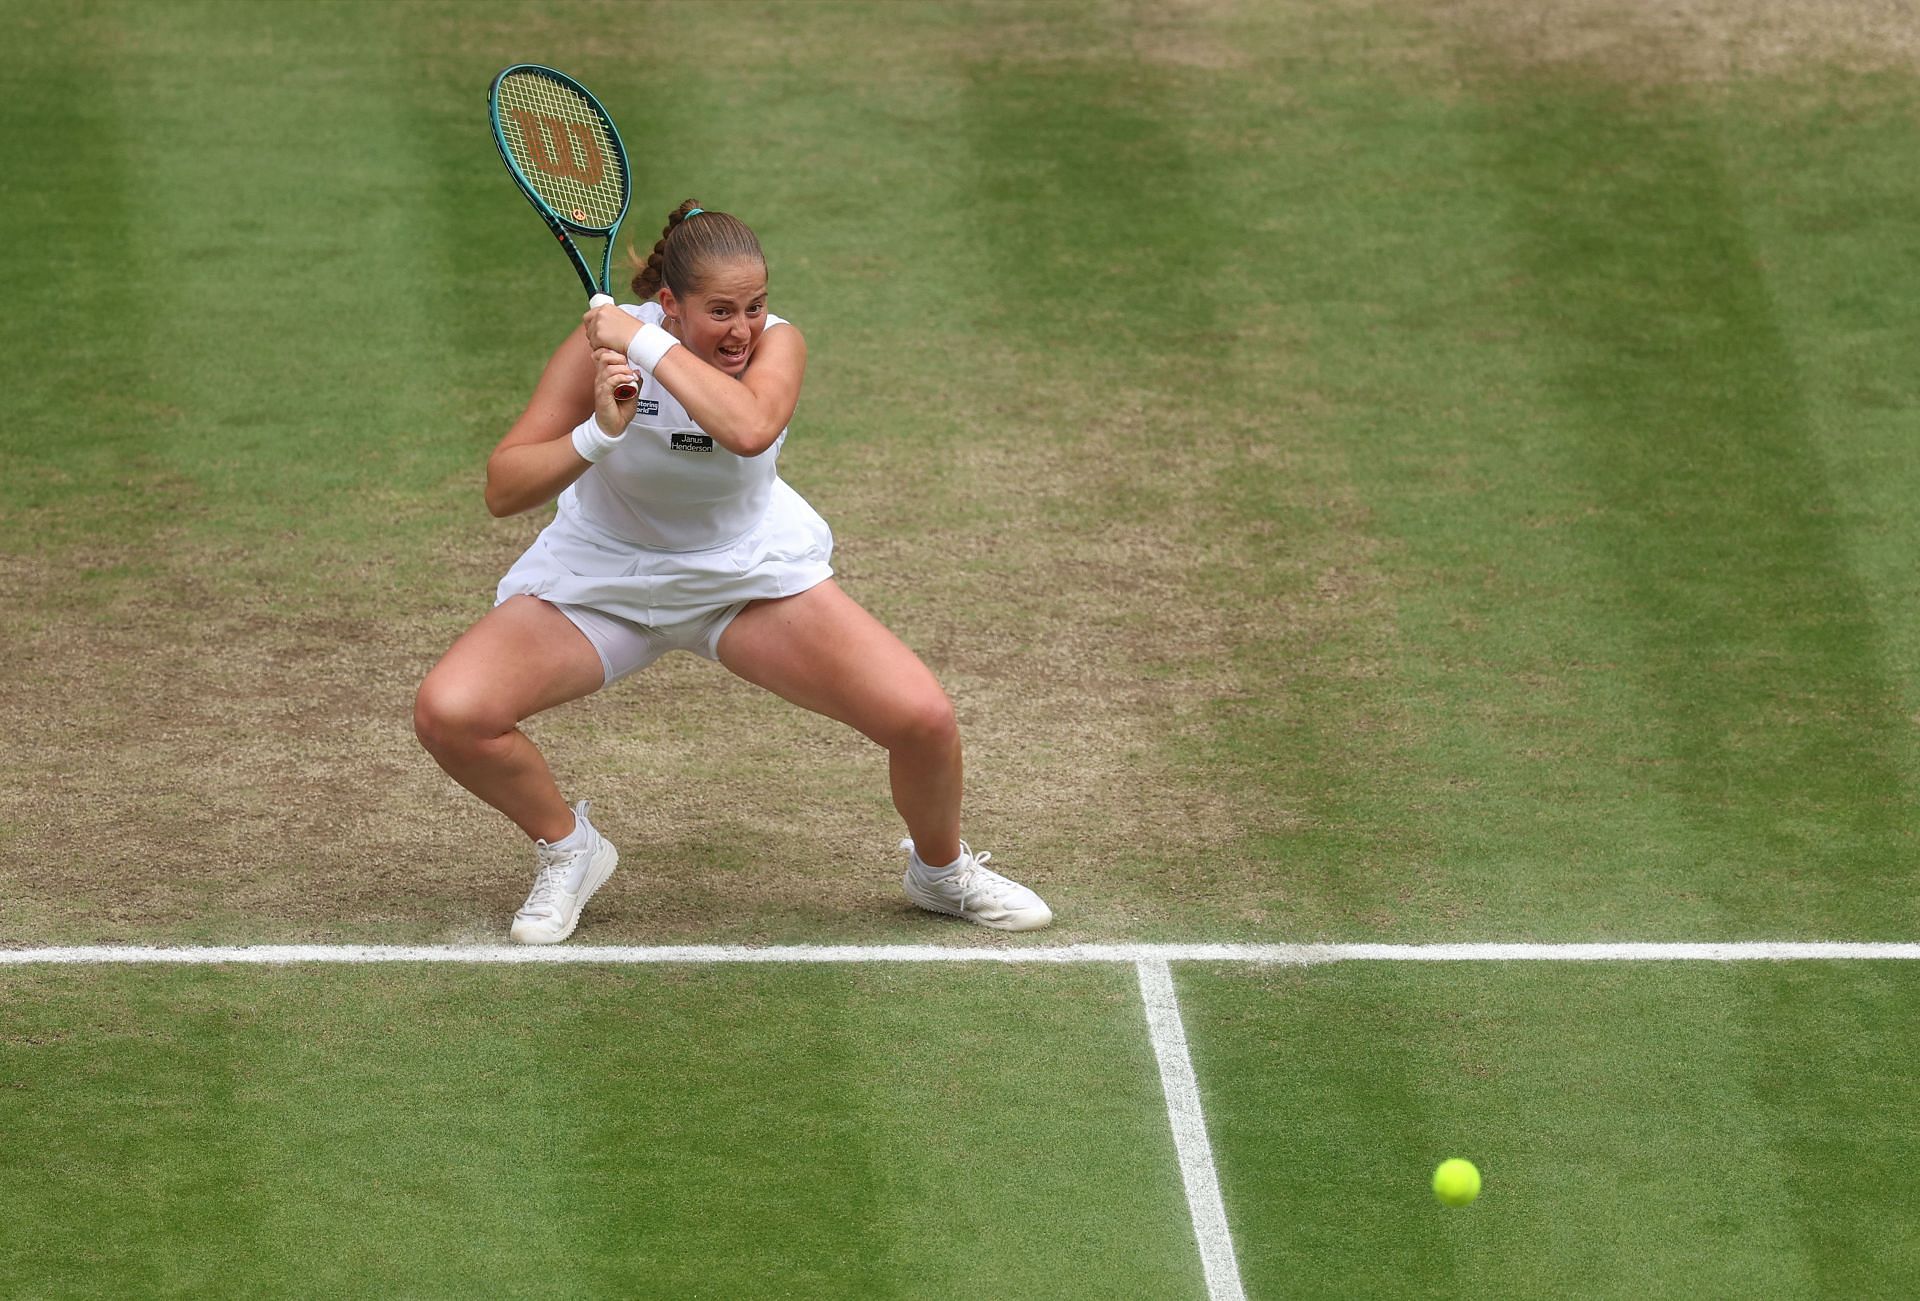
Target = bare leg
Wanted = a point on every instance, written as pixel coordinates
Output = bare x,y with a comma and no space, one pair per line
821,651
522,658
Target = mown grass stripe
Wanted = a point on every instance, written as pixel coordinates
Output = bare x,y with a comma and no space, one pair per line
1771,721
668,954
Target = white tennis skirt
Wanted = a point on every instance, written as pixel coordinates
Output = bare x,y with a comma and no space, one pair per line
574,563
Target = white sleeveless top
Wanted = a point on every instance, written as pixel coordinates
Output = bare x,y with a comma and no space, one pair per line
671,525
666,484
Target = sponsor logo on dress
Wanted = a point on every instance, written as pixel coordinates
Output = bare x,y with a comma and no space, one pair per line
692,443
648,407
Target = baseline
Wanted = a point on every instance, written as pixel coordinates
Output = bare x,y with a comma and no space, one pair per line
1276,954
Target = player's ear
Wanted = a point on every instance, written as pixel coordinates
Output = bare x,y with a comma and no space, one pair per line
668,303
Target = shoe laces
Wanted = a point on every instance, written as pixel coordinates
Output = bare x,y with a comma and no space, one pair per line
552,881
973,877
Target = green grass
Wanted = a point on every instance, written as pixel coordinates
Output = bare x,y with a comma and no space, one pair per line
1641,1128
926,1132
1358,477
693,1132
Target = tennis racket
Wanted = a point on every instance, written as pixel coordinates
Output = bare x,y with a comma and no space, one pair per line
564,153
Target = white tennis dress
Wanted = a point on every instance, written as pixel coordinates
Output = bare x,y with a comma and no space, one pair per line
671,528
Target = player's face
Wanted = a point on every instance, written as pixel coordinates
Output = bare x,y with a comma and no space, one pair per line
723,320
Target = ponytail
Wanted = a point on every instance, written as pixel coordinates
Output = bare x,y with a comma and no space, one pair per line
693,239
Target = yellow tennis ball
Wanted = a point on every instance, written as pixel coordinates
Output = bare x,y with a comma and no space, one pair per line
1456,1182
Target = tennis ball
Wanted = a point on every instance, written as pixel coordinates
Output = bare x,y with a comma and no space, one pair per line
1456,1182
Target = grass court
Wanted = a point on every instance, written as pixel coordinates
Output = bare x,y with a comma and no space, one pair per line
1368,473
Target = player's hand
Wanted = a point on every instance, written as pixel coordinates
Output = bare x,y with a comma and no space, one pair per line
609,327
615,372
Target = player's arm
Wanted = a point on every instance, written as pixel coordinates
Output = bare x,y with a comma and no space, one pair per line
536,460
743,415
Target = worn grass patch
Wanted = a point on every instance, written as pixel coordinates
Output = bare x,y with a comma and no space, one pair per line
1225,400
1692,42
215,716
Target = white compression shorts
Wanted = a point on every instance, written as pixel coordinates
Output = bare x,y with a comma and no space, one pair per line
626,647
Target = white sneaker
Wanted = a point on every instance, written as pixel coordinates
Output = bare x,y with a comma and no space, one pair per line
972,892
567,880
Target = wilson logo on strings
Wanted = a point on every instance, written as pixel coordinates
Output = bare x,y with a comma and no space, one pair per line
542,134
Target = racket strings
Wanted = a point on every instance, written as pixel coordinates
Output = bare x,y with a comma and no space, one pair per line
564,150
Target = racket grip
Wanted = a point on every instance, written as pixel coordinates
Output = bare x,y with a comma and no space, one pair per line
625,392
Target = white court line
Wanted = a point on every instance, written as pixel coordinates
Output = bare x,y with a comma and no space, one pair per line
1280,954
1182,1091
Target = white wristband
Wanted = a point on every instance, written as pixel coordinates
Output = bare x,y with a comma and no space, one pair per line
593,442
649,346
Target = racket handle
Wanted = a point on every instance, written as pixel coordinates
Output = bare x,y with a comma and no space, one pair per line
625,392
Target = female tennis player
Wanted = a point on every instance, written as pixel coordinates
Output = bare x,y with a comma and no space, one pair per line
674,532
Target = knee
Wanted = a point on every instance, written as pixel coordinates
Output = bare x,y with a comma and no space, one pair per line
433,716
448,718
923,722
